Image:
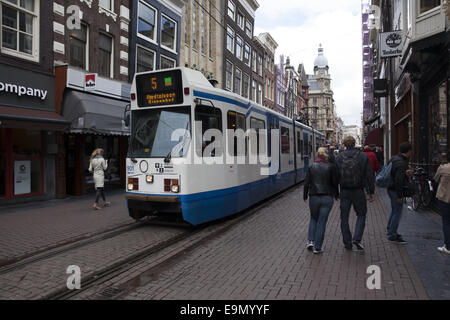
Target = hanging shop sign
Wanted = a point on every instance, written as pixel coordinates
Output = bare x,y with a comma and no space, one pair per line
391,44
22,177
380,88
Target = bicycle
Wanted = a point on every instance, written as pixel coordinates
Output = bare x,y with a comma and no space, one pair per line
423,189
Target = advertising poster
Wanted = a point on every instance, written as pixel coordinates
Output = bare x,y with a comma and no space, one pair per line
22,177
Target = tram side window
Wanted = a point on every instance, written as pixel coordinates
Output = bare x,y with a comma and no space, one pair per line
310,147
258,125
236,121
210,118
299,143
285,146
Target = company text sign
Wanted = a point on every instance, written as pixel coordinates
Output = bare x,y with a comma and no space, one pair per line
391,44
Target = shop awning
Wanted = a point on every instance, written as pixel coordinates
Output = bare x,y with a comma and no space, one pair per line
32,119
89,113
374,137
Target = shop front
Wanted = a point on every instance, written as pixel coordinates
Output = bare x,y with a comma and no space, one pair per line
96,121
28,128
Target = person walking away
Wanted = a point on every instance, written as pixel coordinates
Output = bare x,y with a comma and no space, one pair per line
331,156
98,165
443,195
374,164
321,184
399,190
355,174
380,156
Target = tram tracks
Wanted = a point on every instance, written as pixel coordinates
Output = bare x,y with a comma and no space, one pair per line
100,285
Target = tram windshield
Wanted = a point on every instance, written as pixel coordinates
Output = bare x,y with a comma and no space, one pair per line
158,133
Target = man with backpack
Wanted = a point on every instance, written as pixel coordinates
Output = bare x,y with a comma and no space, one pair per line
398,190
355,173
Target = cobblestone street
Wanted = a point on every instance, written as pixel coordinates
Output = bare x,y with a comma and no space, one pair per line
264,257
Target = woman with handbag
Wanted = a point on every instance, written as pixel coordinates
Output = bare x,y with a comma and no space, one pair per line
321,184
98,165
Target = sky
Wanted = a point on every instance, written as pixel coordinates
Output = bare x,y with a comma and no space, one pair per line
299,26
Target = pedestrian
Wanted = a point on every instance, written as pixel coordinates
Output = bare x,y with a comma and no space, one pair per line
374,164
355,174
443,195
98,165
380,156
331,156
321,184
399,190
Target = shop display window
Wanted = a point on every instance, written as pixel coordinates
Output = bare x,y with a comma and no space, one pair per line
2,163
27,162
438,125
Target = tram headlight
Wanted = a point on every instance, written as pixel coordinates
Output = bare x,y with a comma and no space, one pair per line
130,186
175,188
149,178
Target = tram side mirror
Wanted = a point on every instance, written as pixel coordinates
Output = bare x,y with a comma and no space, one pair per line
127,119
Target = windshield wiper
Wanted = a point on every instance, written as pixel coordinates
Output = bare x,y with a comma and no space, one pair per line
168,157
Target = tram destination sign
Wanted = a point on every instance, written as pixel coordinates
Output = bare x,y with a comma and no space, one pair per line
159,88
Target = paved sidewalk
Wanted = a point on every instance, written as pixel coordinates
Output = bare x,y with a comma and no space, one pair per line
264,257
25,229
423,231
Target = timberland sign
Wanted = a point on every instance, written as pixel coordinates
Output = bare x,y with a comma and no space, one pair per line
391,44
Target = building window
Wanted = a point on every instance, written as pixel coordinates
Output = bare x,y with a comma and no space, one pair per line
231,9
145,60
194,24
253,97
78,47
228,75
239,47
105,43
146,21
20,28
210,31
260,65
240,20
247,54
106,4
230,39
168,33
167,63
249,29
202,28
245,85
260,94
254,61
426,5
237,81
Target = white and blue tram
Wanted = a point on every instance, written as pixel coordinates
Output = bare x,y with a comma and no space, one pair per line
168,168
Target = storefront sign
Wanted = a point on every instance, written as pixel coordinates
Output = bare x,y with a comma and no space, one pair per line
22,90
22,177
391,44
90,81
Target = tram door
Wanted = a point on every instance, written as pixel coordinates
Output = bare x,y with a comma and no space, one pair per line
306,150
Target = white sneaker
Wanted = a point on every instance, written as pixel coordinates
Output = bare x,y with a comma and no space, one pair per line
310,245
444,249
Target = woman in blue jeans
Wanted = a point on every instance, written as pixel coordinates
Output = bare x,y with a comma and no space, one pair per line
321,184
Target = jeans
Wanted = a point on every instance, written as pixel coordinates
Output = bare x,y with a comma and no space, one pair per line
445,213
396,214
357,197
101,193
320,207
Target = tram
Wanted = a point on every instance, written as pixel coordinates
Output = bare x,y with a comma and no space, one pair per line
192,146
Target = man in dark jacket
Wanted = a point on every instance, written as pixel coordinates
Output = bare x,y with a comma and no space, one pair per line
331,156
396,192
354,174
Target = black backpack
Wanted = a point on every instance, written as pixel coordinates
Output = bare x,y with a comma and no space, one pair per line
350,170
